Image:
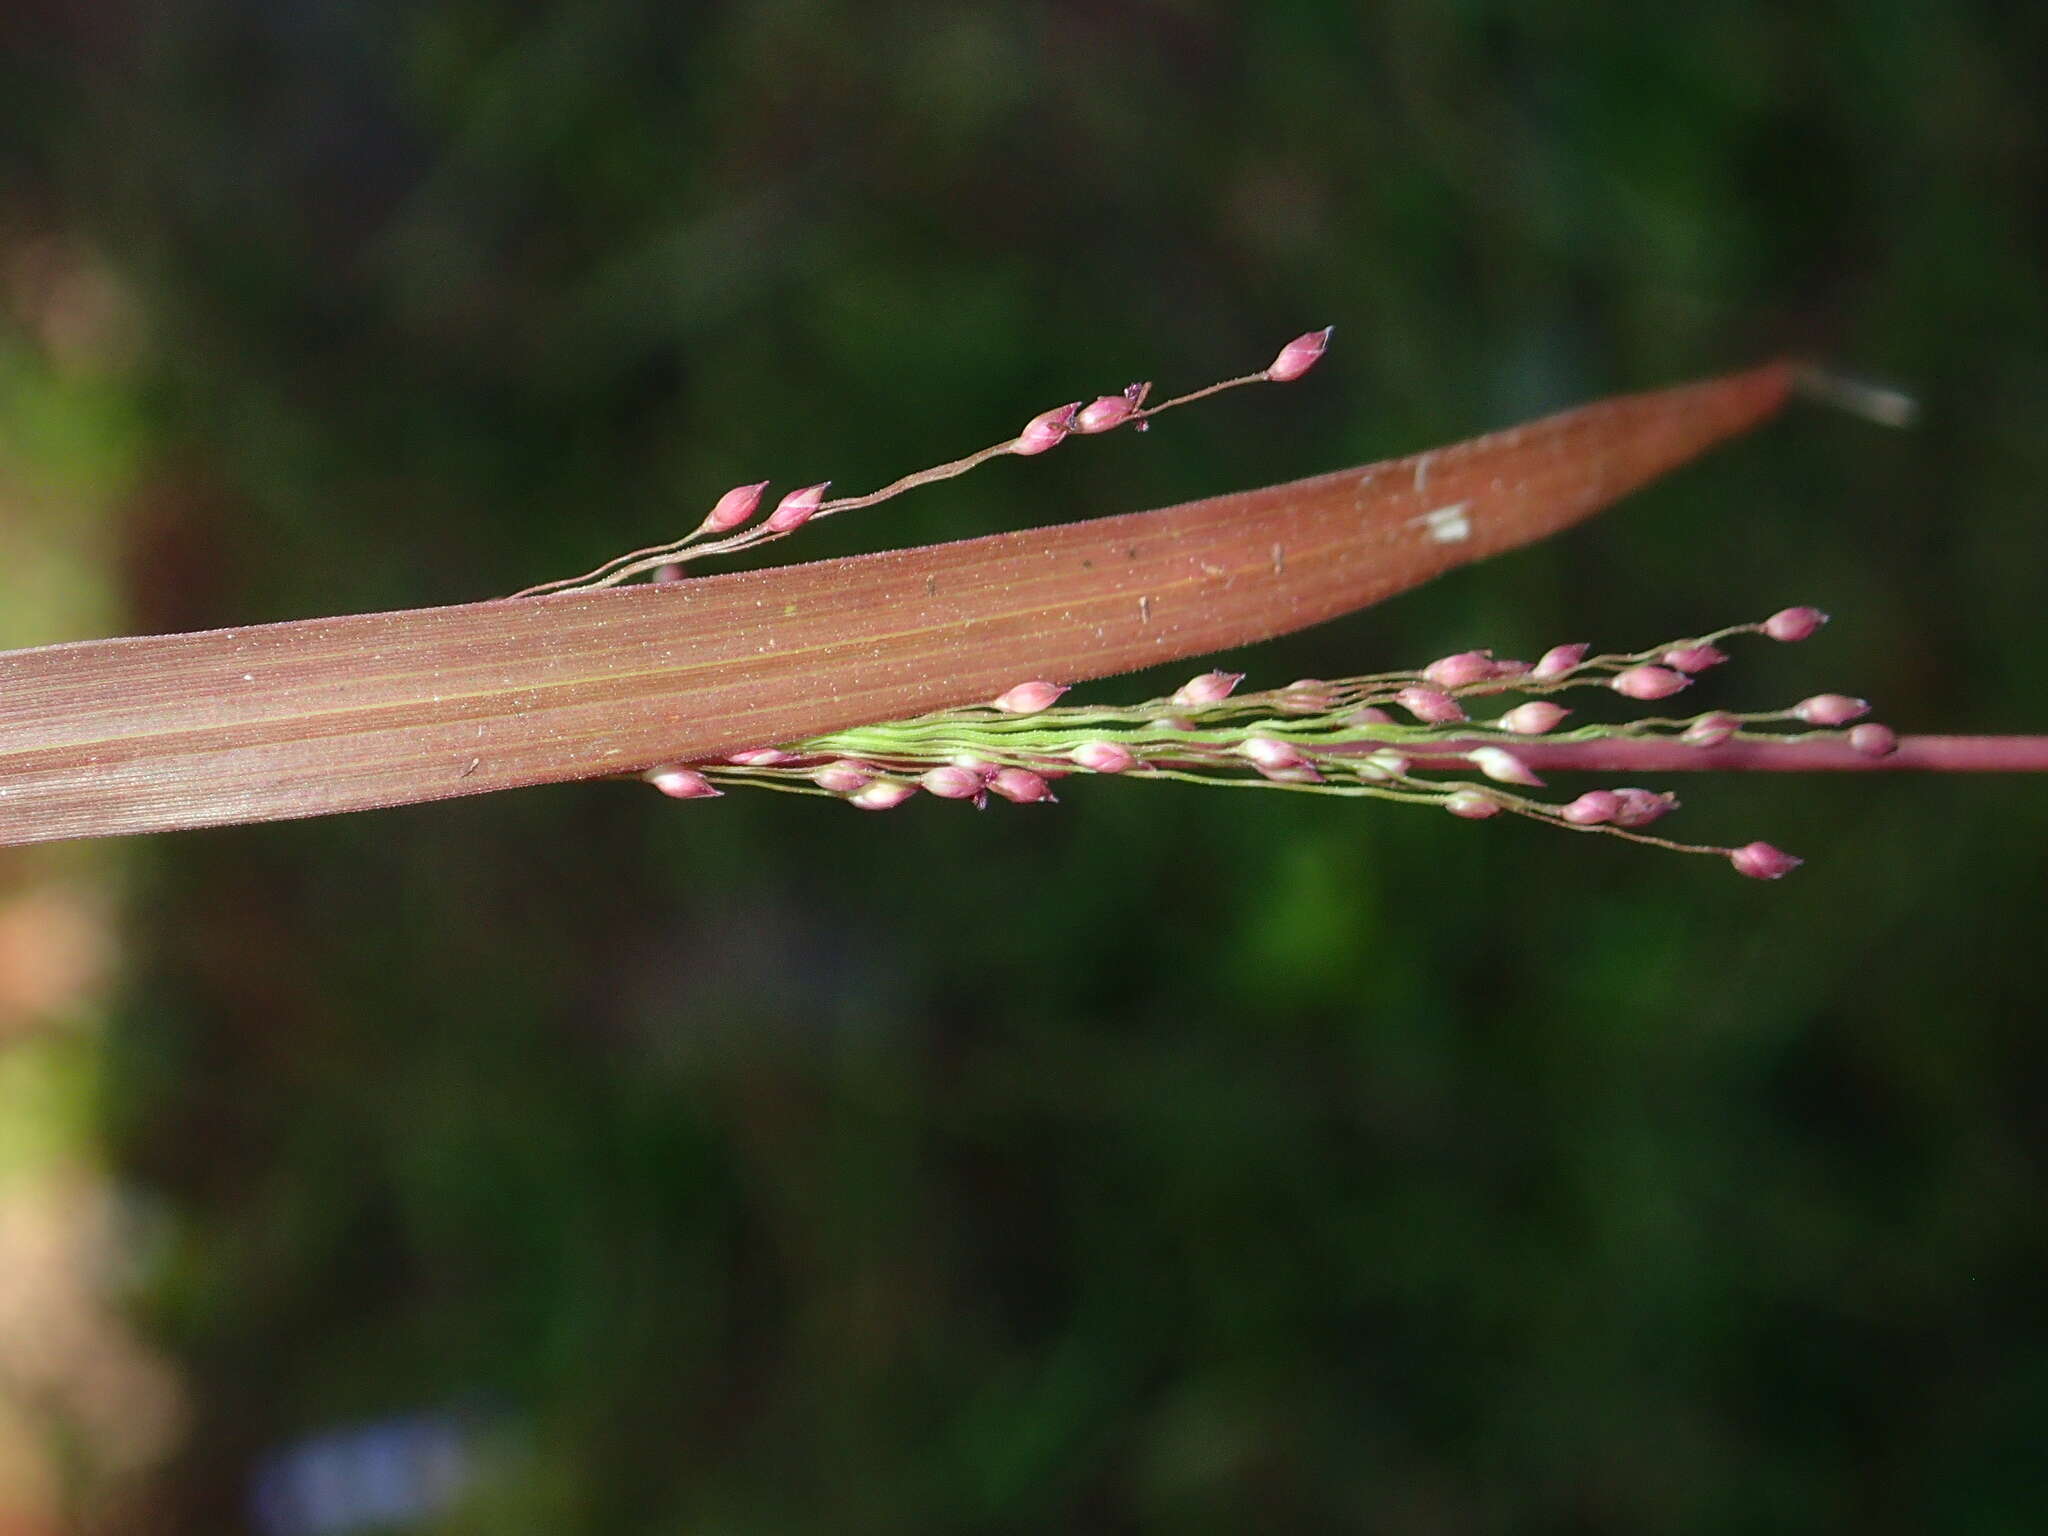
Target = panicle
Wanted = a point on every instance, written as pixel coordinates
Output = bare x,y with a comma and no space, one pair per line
1299,355
1029,698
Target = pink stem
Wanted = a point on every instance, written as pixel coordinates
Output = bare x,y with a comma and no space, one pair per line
1816,754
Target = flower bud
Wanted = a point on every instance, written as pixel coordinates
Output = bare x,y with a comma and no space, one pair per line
1029,698
951,783
1503,767
1830,709
1021,786
1534,718
1045,430
1710,730
1592,808
1873,740
1472,804
1273,755
1104,757
1760,861
1104,412
844,776
798,507
683,784
1696,657
1790,624
1207,688
1648,682
1461,670
882,795
734,507
1432,706
1640,807
1558,661
1299,355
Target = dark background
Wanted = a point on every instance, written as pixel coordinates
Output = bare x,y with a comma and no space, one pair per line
1168,1160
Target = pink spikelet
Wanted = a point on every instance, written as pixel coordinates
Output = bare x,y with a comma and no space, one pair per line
734,507
1021,786
1503,767
1432,706
1760,861
1104,757
1648,682
1299,355
1207,688
1873,740
1537,717
1790,625
1696,657
1558,661
1104,412
683,784
1830,709
882,795
797,508
1046,430
1471,804
1029,698
1461,670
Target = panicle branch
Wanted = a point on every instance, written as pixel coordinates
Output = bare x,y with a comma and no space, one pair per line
1404,736
723,530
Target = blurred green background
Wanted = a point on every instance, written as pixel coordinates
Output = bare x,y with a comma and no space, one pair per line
1165,1161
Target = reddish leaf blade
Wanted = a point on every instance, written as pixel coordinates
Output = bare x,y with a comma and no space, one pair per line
350,713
